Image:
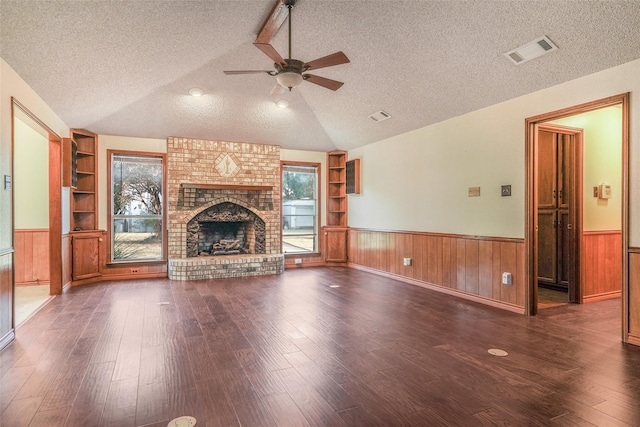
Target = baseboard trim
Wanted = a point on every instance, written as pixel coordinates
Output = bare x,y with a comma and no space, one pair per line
453,292
304,265
129,276
602,297
7,338
633,340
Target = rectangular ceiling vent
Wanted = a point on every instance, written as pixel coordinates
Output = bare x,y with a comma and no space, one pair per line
531,50
380,116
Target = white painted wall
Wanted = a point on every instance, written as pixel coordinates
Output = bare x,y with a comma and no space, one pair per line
418,180
30,177
602,163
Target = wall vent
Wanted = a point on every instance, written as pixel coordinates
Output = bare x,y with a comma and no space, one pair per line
531,50
380,116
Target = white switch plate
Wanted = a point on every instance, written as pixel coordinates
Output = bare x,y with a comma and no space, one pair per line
407,261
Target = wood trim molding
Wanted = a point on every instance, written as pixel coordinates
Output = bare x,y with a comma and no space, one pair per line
601,297
430,233
442,289
601,232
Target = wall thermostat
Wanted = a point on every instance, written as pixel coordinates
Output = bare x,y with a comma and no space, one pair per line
604,191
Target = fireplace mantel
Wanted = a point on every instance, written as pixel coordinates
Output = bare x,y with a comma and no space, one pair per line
229,187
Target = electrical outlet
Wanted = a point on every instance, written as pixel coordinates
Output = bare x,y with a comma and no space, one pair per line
507,279
297,261
407,261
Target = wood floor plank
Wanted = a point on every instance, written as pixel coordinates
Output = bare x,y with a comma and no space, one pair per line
289,350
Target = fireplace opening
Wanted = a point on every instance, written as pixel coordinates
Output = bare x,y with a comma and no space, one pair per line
225,229
223,238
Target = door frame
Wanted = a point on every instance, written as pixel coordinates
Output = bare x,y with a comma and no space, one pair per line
55,196
575,293
531,124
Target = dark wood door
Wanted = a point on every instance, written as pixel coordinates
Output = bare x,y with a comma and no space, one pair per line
556,210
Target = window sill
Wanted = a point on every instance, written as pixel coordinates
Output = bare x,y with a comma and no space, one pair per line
136,263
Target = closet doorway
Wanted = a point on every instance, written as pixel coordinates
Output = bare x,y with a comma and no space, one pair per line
37,214
577,220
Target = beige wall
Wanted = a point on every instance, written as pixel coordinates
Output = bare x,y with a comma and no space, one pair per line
418,180
602,163
30,177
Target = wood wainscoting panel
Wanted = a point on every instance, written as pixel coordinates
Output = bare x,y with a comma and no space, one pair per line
466,265
601,272
634,294
31,256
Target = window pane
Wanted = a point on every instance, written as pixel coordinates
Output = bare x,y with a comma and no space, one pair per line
299,209
137,239
136,207
137,185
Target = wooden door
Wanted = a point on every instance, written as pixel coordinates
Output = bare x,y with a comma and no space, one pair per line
335,244
86,255
557,259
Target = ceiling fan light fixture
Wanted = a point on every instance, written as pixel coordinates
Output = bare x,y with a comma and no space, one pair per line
196,91
289,79
282,103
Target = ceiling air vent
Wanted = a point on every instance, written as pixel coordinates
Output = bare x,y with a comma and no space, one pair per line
531,50
380,116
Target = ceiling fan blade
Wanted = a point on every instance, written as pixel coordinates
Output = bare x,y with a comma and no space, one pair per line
327,61
277,89
270,51
273,23
322,81
247,72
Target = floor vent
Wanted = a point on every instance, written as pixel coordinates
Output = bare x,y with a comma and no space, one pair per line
531,50
380,116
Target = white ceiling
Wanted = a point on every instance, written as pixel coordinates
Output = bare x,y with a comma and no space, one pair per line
125,67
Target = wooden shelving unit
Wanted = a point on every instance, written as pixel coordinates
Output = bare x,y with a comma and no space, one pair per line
336,189
336,230
84,204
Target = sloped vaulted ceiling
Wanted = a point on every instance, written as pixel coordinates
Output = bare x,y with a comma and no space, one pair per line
125,67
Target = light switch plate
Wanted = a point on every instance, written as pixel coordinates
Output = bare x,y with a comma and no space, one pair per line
474,191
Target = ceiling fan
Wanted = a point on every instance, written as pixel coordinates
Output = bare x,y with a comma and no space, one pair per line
291,72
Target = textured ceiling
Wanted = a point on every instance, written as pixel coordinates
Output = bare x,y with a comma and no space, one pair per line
125,67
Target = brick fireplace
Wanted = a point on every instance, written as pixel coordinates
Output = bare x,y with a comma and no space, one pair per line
223,209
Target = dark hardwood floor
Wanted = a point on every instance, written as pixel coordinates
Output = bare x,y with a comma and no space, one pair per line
291,350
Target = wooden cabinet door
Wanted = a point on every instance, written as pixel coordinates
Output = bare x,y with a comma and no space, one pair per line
547,247
547,170
335,247
556,210
565,171
86,256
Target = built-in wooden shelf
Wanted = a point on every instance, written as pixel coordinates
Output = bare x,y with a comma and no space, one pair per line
84,198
